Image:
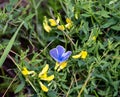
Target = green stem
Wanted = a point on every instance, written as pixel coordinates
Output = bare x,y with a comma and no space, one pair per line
31,85
86,82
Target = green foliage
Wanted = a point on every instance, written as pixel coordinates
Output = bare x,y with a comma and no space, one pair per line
25,43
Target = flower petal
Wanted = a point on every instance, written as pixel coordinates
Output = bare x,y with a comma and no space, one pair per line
44,70
77,56
56,65
25,71
54,54
52,22
62,66
61,27
68,20
43,87
42,76
83,54
49,78
60,50
47,27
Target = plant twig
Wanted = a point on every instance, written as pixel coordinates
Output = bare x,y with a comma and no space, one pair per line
9,85
69,88
86,82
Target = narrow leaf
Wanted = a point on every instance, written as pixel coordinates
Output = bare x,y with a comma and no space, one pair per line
9,46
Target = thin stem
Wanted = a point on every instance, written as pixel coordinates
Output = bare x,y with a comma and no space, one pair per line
14,62
15,6
69,88
31,85
68,37
36,11
83,87
9,85
86,82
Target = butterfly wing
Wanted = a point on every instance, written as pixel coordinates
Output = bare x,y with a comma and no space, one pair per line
54,54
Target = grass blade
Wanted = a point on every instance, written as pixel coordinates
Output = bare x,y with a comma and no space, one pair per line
9,46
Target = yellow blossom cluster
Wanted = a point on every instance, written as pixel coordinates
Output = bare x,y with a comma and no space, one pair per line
56,22
42,76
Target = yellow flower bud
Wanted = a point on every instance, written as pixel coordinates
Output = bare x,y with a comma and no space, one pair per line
26,72
47,27
43,74
52,22
61,27
62,65
69,23
44,70
68,20
56,65
94,38
76,56
49,78
82,54
43,87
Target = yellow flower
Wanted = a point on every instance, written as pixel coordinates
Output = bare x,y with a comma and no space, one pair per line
77,56
61,27
43,87
56,65
69,23
49,78
43,74
93,38
82,54
26,72
58,20
44,70
76,15
52,22
46,26
68,20
60,66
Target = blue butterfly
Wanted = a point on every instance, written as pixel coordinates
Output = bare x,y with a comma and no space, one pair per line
59,54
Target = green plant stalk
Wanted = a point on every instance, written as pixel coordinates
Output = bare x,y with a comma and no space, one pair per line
9,46
10,85
70,88
31,85
68,37
36,16
36,11
14,62
86,82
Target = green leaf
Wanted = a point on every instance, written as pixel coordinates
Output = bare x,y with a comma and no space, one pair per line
20,87
52,94
9,46
109,23
29,17
103,13
116,27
